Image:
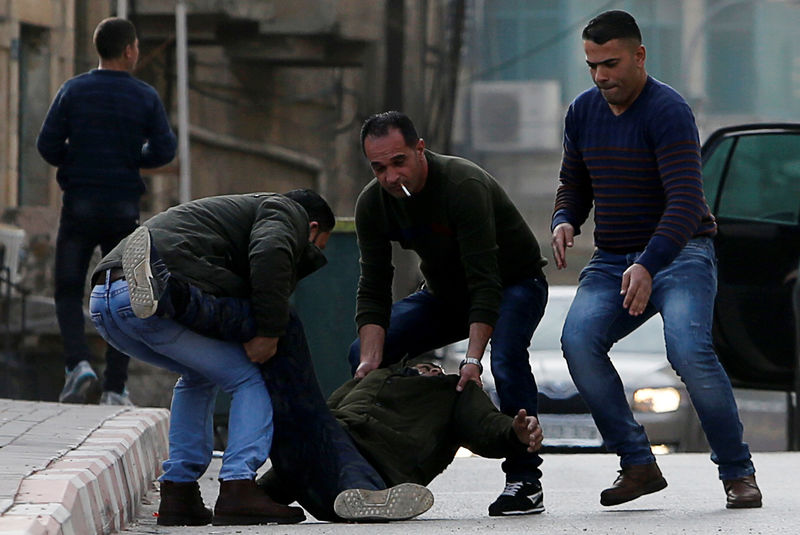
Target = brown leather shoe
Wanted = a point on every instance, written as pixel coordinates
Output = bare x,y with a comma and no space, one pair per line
242,503
742,493
182,505
632,482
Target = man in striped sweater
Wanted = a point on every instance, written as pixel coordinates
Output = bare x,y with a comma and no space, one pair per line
102,127
631,151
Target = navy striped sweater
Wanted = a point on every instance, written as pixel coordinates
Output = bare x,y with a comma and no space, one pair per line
641,170
102,127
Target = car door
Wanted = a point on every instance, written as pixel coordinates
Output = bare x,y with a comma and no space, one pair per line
752,182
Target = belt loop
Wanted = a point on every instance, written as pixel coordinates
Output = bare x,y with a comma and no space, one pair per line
108,280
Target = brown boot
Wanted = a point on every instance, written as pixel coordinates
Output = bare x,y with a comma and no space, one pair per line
242,503
742,493
632,482
182,505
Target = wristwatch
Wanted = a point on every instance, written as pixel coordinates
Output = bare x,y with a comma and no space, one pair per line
471,360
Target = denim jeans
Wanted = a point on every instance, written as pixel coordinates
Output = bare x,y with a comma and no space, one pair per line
205,364
82,228
313,457
683,293
422,322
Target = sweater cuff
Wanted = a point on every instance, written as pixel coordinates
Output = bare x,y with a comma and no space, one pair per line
562,216
483,316
371,318
659,253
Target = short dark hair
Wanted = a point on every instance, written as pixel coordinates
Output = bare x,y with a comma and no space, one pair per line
610,25
112,35
378,125
316,207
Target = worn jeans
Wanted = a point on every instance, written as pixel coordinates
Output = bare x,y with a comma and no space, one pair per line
313,457
85,225
205,365
422,322
683,293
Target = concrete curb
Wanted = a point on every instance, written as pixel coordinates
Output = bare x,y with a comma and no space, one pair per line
96,487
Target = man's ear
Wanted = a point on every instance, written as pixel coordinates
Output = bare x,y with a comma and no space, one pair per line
313,230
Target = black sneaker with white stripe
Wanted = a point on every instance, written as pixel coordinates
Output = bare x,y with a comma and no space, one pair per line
519,498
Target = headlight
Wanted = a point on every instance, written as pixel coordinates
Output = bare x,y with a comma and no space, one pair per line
656,399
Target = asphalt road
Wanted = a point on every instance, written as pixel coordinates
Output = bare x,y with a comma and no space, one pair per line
693,502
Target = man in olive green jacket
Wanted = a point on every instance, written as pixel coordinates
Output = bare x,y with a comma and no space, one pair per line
407,422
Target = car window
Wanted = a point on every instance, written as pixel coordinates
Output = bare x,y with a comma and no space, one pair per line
763,181
713,168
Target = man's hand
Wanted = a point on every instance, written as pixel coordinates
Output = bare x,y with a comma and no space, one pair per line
528,430
372,339
637,284
365,367
469,372
563,237
261,348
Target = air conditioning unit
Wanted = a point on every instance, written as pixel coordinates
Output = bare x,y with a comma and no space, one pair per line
516,116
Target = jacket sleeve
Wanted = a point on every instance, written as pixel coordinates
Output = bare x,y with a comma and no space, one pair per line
52,140
481,428
278,236
374,297
161,142
340,393
473,212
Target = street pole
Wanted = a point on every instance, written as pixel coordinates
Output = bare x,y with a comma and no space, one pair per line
794,404
122,9
181,52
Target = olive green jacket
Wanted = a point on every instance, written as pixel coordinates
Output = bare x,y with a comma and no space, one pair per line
410,427
251,246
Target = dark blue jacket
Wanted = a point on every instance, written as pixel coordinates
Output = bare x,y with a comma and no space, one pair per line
102,127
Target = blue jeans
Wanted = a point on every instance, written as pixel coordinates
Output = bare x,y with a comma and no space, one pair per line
683,293
205,364
313,457
84,226
422,322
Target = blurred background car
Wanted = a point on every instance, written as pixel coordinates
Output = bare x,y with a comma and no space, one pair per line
656,395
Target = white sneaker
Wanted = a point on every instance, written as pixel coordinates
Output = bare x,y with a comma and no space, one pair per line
400,502
112,398
78,383
145,272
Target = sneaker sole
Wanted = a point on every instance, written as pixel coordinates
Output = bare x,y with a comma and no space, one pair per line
79,394
136,267
652,487
401,502
537,508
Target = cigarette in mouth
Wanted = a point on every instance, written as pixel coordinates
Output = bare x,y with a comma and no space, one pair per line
405,190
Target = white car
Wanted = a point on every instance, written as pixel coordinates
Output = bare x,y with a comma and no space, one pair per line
657,396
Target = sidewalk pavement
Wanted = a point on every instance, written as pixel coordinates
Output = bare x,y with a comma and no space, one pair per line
76,469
